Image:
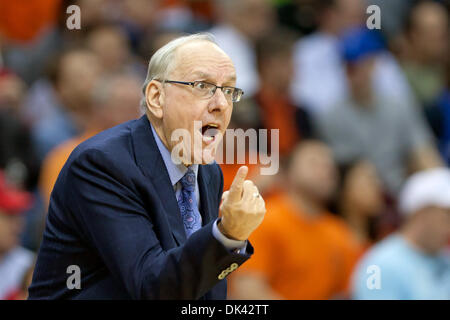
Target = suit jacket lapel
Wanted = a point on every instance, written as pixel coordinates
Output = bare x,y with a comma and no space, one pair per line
151,163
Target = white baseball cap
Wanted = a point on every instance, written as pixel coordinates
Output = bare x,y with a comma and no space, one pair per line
426,188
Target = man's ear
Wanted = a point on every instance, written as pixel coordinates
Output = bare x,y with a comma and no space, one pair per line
154,99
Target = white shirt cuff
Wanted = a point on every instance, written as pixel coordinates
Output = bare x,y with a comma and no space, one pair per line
230,244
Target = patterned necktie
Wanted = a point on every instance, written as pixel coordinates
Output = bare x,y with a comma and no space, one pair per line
188,205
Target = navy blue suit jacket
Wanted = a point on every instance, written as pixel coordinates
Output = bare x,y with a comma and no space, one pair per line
113,213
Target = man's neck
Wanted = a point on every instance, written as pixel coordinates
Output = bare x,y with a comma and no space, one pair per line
159,131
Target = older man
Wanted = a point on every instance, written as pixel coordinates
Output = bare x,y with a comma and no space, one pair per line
133,214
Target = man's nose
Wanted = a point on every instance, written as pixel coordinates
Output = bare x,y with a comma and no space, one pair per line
218,101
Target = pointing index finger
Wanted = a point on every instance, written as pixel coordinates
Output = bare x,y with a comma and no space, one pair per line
235,192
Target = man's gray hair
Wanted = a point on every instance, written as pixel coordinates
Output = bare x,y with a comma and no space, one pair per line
161,63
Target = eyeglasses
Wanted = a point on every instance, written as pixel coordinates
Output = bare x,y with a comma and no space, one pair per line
206,90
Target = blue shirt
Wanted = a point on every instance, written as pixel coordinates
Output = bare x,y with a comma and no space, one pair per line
176,172
405,273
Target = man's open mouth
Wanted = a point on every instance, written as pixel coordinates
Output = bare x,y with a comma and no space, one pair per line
209,132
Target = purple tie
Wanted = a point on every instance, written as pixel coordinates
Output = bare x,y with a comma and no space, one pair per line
192,219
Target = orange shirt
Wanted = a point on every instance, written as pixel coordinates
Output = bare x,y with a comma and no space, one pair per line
22,20
54,162
302,257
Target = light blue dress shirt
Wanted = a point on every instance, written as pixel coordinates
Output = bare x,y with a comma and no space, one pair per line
176,172
404,272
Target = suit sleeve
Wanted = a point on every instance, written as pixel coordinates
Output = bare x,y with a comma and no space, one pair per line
112,219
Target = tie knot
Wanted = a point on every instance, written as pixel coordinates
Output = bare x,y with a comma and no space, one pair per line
188,180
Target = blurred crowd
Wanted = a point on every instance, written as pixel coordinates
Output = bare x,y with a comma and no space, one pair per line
363,118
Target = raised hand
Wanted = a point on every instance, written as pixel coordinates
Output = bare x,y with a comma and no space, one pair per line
242,208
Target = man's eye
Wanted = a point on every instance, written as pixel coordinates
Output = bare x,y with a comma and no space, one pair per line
200,85
228,91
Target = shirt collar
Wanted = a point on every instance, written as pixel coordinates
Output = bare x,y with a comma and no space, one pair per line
176,171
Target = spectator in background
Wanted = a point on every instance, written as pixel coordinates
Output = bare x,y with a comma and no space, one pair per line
12,90
275,65
361,200
425,56
237,32
427,51
412,264
305,252
320,78
318,74
394,16
110,44
15,260
298,15
116,99
138,18
57,109
28,30
93,13
381,129
21,293
187,16
17,156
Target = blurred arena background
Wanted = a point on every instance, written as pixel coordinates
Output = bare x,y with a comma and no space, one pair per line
358,111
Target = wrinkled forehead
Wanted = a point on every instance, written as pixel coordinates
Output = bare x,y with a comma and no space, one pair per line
203,59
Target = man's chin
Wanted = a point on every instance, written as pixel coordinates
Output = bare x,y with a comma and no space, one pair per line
206,158
208,161
204,155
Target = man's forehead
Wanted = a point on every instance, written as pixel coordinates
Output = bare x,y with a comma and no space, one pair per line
199,74
203,59
201,47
